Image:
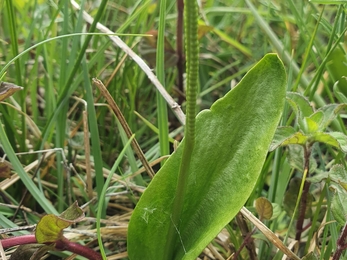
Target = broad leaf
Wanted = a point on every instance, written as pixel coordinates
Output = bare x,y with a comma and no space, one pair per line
232,140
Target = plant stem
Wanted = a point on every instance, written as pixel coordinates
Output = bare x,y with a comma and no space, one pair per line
18,240
248,241
192,56
65,245
304,196
341,243
179,49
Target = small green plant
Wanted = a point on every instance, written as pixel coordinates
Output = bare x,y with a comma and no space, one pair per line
49,237
312,129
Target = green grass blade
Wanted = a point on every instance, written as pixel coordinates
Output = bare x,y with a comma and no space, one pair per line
29,184
94,132
103,193
161,104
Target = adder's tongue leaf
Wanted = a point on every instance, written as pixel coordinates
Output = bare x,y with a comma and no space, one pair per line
232,141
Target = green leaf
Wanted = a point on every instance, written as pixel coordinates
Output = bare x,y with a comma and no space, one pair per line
276,210
338,175
337,91
318,177
312,124
287,135
330,112
50,228
300,104
336,139
339,205
310,256
73,213
232,139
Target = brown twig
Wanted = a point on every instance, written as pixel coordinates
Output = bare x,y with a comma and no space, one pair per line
248,241
124,124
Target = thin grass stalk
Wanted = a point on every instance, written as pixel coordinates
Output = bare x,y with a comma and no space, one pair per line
103,194
130,154
87,154
161,104
18,73
307,52
192,58
64,97
94,135
314,84
283,53
61,118
66,88
137,12
315,219
29,184
331,232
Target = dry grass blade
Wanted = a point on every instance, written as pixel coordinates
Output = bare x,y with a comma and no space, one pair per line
125,125
8,89
268,233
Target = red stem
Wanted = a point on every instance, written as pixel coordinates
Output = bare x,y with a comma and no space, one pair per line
63,245
18,240
341,244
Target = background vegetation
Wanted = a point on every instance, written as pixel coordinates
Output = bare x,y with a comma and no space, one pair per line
44,123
